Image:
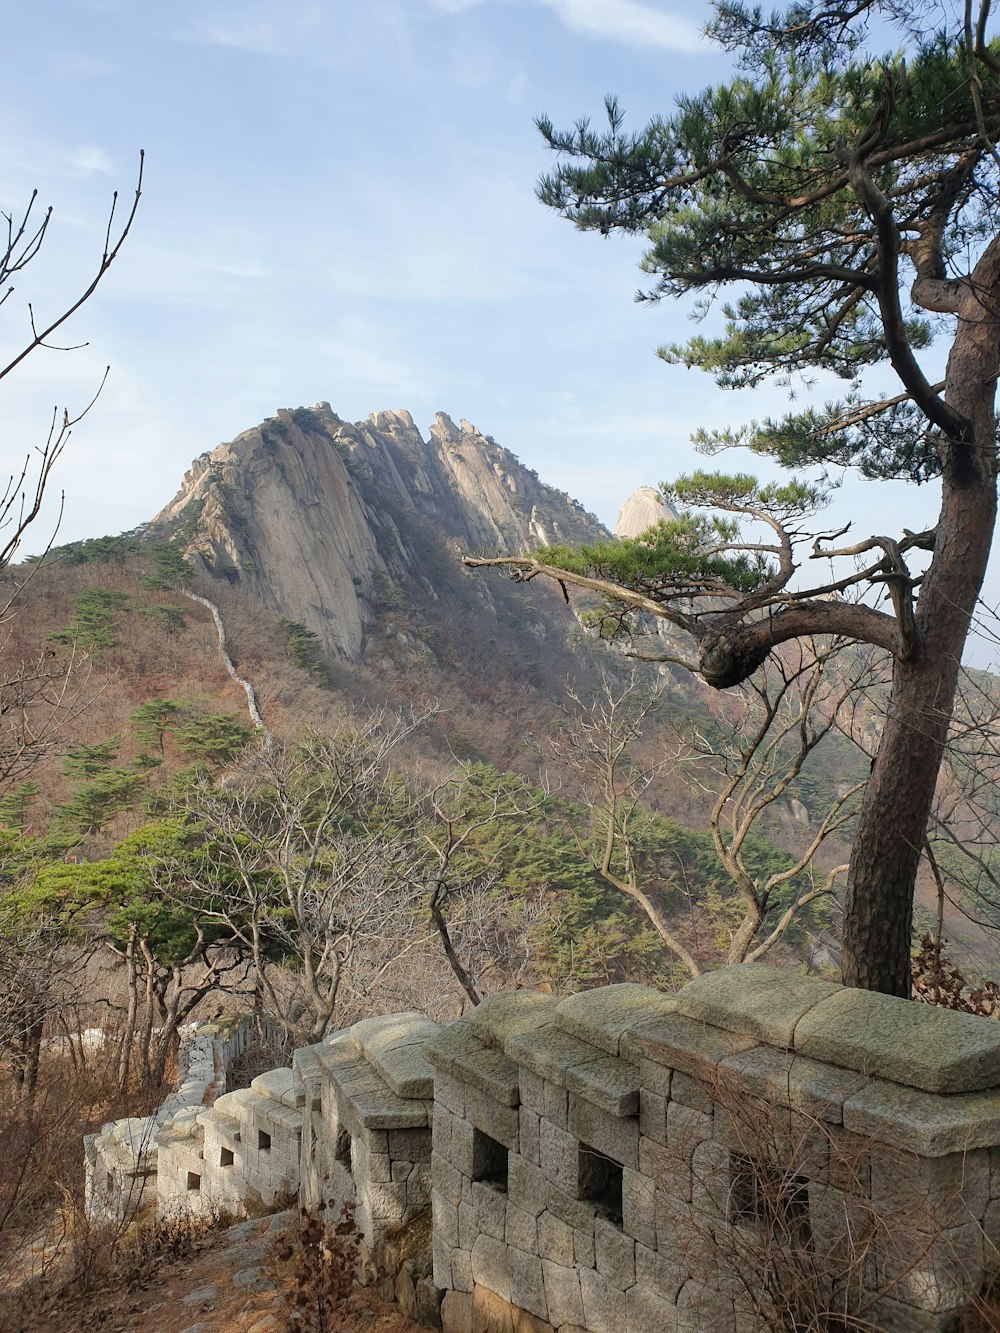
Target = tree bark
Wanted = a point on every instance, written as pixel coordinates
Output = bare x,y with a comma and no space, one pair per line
892,822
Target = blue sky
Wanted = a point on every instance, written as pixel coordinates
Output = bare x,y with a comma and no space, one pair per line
339,204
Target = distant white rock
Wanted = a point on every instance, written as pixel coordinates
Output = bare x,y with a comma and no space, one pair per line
644,507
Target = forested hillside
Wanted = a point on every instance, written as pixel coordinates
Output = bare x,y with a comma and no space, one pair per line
474,792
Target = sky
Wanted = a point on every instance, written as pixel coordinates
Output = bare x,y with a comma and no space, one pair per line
339,204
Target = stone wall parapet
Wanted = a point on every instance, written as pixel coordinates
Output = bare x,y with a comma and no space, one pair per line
759,1145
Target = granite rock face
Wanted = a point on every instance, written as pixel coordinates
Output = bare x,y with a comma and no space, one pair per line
643,508
312,515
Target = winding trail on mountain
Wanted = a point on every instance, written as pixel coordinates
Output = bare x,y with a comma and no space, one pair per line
258,721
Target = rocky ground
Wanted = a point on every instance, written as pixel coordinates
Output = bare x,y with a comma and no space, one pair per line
232,1281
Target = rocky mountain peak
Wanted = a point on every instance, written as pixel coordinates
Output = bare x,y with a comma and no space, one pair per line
308,513
644,507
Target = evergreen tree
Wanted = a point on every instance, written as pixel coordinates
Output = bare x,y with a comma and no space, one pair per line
94,625
851,204
152,720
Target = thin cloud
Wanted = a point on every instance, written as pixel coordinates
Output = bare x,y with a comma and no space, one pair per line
626,21
89,160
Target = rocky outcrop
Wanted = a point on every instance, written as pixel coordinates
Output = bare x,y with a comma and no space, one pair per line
643,508
309,513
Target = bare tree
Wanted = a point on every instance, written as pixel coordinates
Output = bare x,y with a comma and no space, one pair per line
599,743
22,497
780,716
460,812
40,699
306,857
746,763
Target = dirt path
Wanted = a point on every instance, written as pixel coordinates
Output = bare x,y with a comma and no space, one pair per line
232,1283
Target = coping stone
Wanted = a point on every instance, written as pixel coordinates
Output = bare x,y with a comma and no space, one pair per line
923,1122
917,1045
404,1070
816,1089
500,1016
754,1000
391,1043
602,1016
278,1084
550,1052
374,1103
491,1072
609,1083
449,1044
676,1042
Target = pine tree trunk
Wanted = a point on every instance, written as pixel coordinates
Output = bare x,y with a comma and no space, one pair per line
878,904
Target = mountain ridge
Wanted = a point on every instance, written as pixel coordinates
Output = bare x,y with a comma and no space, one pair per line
312,514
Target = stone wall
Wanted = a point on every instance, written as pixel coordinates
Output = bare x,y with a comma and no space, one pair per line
120,1161
752,1153
349,1123
756,1152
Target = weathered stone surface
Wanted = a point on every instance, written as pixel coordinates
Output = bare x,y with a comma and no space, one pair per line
687,1044
603,1303
611,1083
638,1205
555,1240
527,1287
490,1267
602,1017
652,1116
444,1048
754,1000
693,1092
529,1134
531,1088
923,1194
614,1253
448,1092
498,1017
278,1084
892,1316
700,1308
490,1210
494,1118
810,1086
461,1270
617,1137
461,1151
446,1179
917,1045
376,1106
562,1293
404,1069
522,1228
923,1122
653,1077
941,1274
560,1153
579,1216
441,1251
660,1272
388,1031
491,1313
798,1144
526,1184
491,1072
456,1312
646,1310
556,1102
549,1052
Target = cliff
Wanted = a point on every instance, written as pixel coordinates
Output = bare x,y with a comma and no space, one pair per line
312,515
